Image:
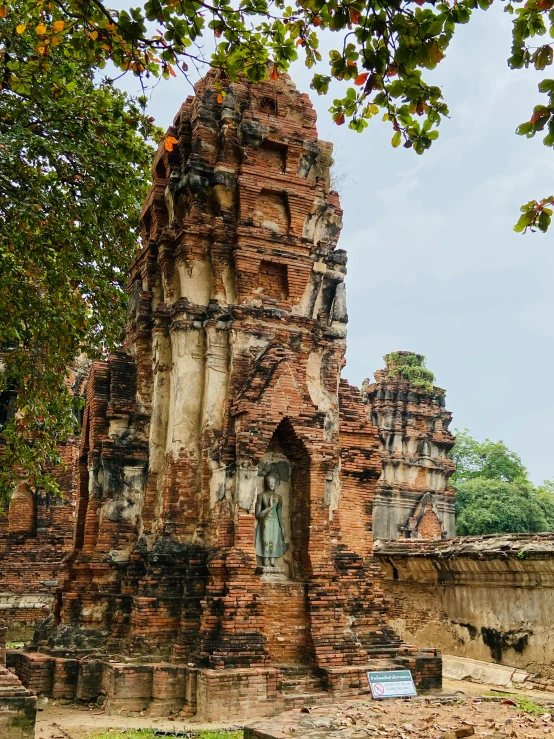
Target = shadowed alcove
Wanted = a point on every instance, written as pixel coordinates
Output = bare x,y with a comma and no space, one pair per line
285,598
288,459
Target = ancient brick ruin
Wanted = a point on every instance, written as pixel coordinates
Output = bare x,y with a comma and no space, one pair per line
413,497
222,561
37,534
35,537
241,531
488,598
18,705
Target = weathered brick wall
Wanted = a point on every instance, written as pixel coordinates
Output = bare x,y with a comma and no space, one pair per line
18,706
361,577
429,526
36,533
488,598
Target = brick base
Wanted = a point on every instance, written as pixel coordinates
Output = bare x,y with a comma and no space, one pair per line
18,716
18,707
164,689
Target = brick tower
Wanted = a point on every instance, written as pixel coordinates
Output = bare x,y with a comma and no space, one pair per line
413,498
226,394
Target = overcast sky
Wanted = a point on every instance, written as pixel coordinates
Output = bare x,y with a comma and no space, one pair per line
434,266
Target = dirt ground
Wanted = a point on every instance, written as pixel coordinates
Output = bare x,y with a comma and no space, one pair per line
465,708
55,721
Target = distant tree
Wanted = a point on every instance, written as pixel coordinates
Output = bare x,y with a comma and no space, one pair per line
487,506
545,498
493,493
485,459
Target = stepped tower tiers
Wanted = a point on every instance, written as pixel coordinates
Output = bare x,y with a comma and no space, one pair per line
223,542
413,499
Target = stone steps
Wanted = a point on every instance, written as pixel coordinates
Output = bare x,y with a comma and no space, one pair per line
209,694
301,686
297,700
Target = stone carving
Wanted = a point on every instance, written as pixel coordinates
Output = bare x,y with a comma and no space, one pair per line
425,448
339,312
170,194
134,301
269,537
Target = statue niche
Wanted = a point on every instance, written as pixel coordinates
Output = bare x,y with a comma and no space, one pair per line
272,512
281,508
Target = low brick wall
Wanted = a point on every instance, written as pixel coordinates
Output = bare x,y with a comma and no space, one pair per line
489,598
17,716
36,536
24,613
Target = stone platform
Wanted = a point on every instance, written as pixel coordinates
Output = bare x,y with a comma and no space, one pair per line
18,706
163,689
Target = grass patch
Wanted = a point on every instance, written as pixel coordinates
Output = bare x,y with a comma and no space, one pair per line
528,706
156,734
521,703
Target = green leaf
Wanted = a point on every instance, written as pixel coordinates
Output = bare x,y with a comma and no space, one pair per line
523,223
546,86
543,221
524,129
66,245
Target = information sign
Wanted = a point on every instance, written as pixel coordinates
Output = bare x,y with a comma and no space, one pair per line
391,684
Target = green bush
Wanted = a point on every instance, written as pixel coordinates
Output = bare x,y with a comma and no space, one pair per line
411,367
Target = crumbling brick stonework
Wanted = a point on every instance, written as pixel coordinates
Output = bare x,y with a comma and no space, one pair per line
18,706
37,534
413,497
229,375
35,537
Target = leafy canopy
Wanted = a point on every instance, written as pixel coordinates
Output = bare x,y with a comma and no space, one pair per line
493,493
488,506
73,155
384,50
485,459
74,159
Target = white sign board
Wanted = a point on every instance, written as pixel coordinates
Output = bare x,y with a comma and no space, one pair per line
391,684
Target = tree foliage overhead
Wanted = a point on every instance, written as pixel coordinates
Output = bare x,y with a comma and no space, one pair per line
493,493
384,49
74,160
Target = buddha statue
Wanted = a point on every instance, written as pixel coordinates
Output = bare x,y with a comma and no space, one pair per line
269,538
